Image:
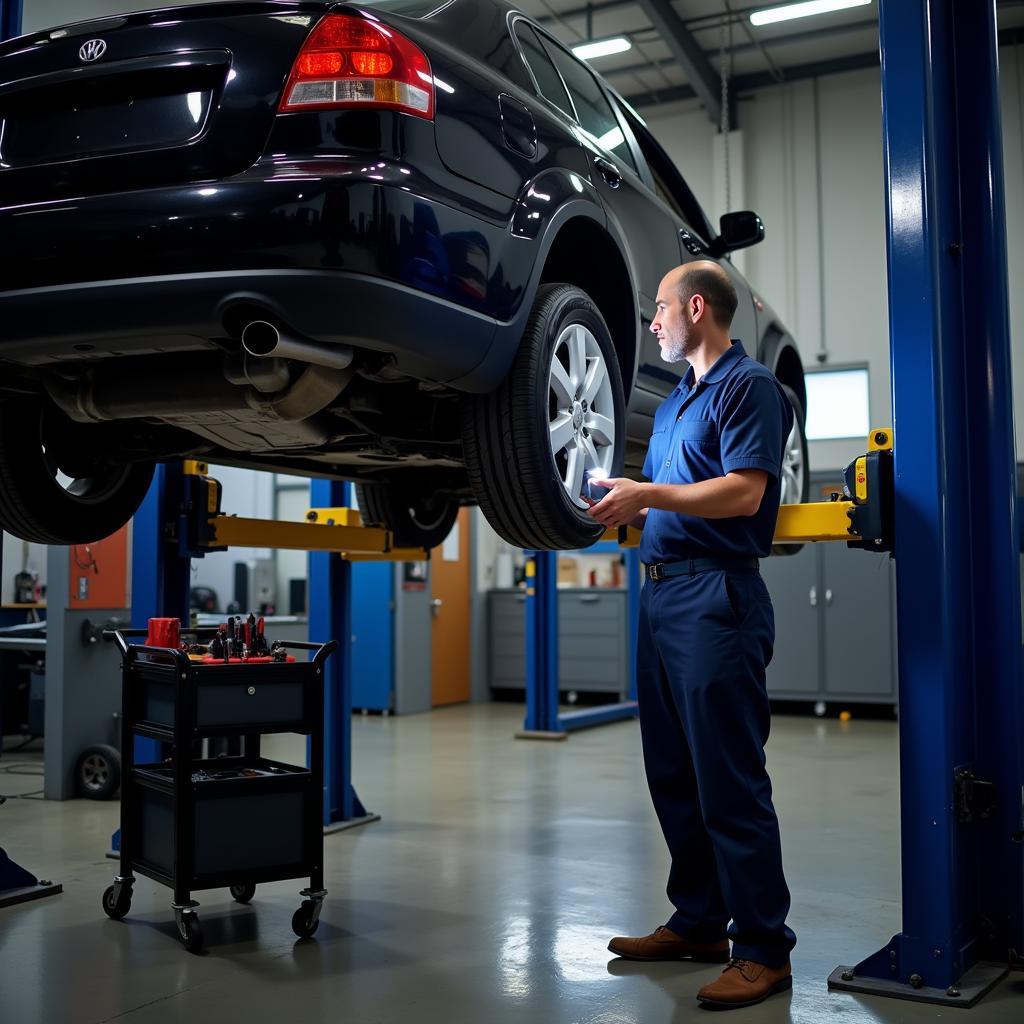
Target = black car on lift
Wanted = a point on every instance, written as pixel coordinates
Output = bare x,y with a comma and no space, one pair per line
410,243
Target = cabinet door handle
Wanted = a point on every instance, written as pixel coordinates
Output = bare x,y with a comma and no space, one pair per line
828,598
590,598
813,597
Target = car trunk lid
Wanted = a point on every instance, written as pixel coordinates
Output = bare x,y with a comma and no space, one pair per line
162,97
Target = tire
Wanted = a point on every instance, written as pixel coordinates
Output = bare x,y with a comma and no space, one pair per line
796,481
242,893
416,517
191,933
98,772
528,483
117,909
302,923
37,441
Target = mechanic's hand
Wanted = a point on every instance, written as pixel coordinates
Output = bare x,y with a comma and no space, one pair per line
621,505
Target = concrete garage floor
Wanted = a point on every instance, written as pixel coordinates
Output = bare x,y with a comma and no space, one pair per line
487,894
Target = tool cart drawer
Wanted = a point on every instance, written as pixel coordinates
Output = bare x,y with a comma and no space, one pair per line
228,698
250,812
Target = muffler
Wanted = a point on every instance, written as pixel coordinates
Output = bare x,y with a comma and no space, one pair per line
265,341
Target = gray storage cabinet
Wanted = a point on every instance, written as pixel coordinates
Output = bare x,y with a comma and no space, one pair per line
835,622
593,640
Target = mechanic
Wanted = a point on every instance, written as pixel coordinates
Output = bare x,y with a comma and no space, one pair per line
705,637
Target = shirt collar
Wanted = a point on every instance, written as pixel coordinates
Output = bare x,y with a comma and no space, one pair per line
719,370
724,363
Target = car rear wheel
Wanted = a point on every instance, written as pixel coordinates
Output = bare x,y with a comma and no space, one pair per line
58,485
416,517
558,416
796,483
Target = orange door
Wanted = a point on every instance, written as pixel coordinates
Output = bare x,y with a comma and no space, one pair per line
449,580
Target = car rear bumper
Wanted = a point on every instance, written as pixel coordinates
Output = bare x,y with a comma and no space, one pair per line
362,263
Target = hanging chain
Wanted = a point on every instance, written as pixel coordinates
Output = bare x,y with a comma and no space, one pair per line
724,68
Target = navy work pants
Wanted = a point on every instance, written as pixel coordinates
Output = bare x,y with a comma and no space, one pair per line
703,644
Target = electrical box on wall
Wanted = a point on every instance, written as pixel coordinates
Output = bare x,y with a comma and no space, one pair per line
98,573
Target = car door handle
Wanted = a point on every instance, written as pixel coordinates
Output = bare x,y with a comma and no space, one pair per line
693,245
608,171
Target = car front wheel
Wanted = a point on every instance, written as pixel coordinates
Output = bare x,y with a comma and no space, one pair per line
58,483
558,417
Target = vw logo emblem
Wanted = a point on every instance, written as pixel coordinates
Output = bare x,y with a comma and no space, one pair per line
92,50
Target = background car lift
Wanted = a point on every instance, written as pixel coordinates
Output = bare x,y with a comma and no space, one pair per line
957,518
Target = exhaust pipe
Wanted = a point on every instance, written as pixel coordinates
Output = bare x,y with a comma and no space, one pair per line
263,340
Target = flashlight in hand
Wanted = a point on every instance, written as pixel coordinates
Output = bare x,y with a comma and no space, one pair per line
594,484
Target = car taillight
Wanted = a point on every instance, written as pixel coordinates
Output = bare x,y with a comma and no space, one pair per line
348,61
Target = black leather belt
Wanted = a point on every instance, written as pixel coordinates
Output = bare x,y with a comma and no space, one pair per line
692,566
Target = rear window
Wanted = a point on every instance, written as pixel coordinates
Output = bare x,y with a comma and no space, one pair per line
593,111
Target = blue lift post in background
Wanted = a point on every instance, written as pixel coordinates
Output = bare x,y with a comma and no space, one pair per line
10,19
957,562
543,719
161,572
329,606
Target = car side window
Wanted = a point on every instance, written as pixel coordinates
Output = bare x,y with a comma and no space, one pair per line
548,81
593,111
668,182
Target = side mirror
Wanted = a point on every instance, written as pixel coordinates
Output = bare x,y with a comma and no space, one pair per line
737,231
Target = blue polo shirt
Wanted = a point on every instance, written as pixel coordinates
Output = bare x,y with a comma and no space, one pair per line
735,417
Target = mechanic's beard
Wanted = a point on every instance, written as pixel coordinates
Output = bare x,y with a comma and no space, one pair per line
676,349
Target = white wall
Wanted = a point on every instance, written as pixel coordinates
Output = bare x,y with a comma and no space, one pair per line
245,493
812,156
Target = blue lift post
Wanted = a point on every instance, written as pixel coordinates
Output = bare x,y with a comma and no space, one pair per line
329,604
543,719
161,572
10,19
957,541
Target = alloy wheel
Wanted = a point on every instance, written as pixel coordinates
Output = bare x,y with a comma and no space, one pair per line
581,411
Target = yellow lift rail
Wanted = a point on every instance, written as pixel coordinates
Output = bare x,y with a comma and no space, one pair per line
862,517
338,530
863,520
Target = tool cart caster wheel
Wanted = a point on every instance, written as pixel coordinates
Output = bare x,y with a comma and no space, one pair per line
190,932
242,893
303,923
115,907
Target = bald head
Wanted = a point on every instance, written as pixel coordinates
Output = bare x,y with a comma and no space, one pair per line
711,282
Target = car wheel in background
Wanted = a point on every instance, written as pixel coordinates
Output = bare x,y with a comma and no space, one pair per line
416,517
558,415
796,481
58,484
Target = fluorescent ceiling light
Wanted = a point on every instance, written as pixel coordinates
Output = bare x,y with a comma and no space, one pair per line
602,48
803,10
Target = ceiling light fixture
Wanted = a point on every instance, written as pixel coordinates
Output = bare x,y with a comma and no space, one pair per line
771,15
602,48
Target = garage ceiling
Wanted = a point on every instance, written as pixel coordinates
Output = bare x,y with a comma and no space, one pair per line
655,72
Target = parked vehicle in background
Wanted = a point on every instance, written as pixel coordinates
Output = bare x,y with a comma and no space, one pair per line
409,244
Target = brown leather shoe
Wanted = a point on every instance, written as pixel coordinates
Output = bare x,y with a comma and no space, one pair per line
663,944
744,983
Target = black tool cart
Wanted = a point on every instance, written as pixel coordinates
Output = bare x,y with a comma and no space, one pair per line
201,821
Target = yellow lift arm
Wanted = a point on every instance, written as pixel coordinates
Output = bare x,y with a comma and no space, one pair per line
337,530
862,516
